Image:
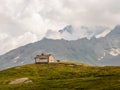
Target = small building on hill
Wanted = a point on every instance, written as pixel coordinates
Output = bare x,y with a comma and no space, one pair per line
44,58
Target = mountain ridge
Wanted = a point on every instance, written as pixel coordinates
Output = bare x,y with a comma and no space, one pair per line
95,51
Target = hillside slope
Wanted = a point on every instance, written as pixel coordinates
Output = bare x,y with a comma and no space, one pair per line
57,76
96,51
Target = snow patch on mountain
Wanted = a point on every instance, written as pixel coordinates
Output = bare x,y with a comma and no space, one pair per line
115,51
16,57
71,33
102,57
103,34
104,54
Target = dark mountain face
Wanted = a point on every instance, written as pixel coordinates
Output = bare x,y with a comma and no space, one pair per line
101,51
68,29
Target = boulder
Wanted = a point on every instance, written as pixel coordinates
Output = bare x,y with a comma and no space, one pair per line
21,80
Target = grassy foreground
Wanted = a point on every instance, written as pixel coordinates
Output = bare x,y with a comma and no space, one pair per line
62,76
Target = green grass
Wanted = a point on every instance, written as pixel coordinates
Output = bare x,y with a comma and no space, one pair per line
62,76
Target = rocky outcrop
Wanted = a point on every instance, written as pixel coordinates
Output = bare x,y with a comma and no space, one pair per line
21,80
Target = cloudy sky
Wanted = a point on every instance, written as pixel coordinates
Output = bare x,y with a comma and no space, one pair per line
25,21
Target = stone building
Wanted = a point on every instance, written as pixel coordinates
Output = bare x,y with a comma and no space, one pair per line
44,58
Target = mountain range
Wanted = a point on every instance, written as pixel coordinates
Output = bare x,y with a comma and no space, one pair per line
73,33
95,51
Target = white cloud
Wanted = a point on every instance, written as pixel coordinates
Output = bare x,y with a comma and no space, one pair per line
26,18
81,32
8,42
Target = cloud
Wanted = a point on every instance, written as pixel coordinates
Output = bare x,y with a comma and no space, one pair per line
83,12
13,35
22,19
70,33
8,42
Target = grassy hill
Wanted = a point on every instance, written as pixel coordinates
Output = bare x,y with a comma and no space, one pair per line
61,76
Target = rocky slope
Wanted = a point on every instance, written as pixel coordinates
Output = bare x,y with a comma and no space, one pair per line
96,51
